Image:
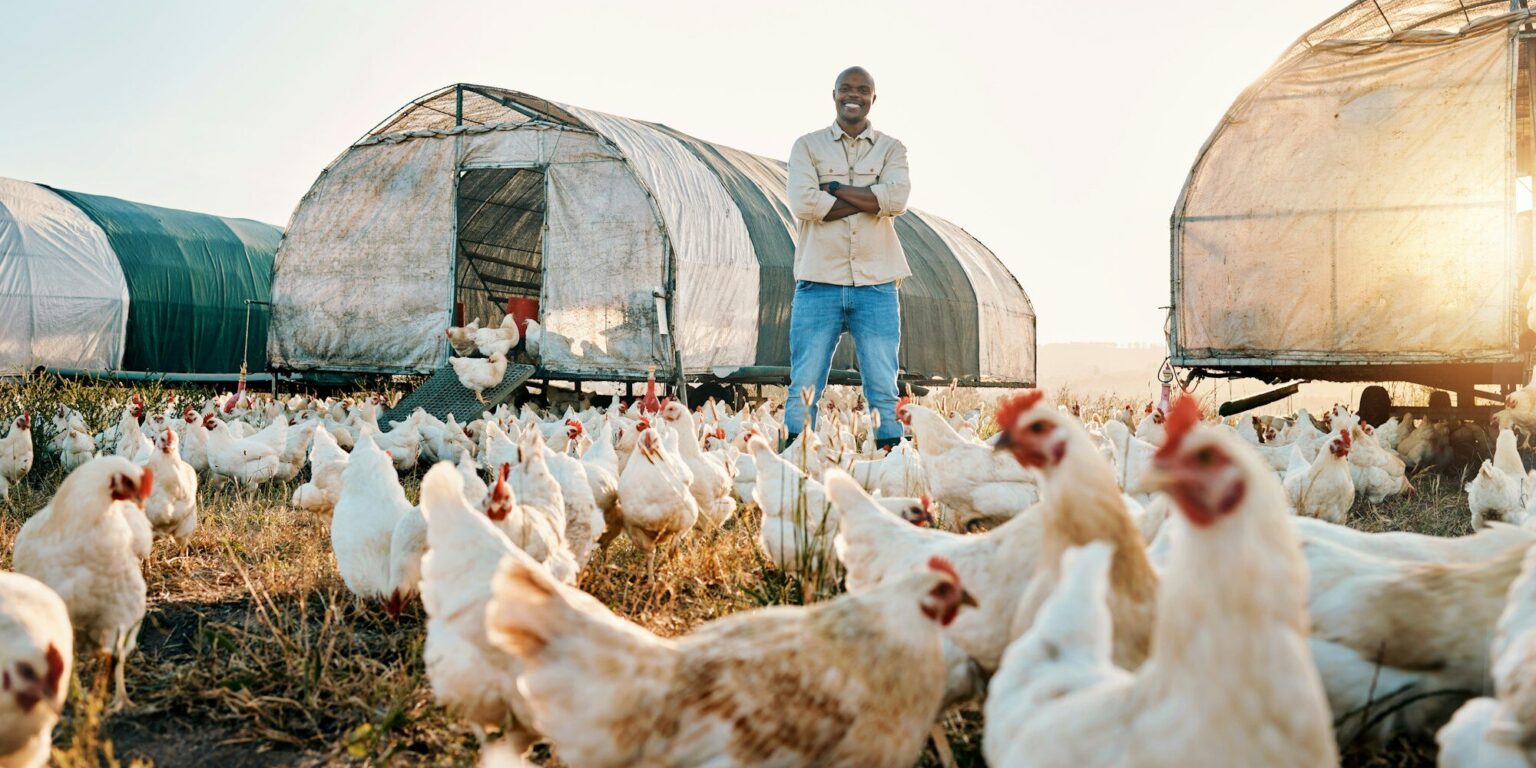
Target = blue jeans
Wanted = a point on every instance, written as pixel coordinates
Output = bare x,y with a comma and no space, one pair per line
817,318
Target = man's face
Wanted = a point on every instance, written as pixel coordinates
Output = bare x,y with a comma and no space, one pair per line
854,96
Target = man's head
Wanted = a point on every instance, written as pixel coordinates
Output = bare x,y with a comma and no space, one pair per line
854,95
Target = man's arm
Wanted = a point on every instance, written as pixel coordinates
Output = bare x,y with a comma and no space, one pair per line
862,199
840,210
806,199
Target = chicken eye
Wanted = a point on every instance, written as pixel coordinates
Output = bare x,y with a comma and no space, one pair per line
1205,456
1038,427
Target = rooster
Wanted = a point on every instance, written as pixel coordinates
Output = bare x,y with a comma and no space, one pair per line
865,671
1229,672
36,653
1325,490
1083,503
87,545
478,375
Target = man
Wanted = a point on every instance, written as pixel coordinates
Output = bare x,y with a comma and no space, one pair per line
846,185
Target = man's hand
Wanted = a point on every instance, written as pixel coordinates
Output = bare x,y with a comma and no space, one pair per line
840,210
861,198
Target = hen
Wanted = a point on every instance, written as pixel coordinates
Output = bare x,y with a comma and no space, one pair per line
36,653
969,479
327,461
473,678
478,375
247,461
654,494
1484,545
1082,503
499,339
462,337
86,545
172,505
1325,490
1229,680
362,528
711,485
16,450
864,672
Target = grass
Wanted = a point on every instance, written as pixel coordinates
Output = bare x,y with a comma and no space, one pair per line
253,652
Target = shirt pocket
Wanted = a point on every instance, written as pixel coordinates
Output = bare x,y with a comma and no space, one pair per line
832,171
865,173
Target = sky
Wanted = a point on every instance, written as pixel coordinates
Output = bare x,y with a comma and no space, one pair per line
1059,134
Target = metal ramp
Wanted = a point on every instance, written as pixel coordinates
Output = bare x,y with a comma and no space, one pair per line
442,394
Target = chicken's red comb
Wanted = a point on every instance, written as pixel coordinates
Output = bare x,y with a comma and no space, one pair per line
575,424
901,414
925,501
719,433
642,425
942,565
503,473
1185,415
1344,433
1015,405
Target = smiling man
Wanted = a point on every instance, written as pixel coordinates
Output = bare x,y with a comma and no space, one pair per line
846,185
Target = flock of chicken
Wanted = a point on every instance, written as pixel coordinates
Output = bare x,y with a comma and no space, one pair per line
1170,592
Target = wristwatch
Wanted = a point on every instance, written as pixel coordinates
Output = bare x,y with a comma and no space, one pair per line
832,187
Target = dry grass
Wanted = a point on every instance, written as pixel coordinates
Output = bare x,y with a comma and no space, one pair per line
253,652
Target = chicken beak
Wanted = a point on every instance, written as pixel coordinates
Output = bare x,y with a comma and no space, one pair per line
1153,480
968,599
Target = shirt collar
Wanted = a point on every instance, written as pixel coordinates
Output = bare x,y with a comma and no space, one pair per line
837,133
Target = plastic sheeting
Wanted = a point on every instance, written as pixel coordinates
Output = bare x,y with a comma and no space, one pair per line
63,300
189,276
1357,204
363,280
1005,317
715,266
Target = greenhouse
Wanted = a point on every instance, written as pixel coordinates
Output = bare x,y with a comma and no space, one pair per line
97,284
641,245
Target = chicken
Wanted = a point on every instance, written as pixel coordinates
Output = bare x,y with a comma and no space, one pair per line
584,520
533,339
16,450
654,494
1494,494
327,461
1325,490
865,674
1402,545
1520,406
172,505
295,447
36,654
799,522
462,338
247,461
403,443
475,488
130,442
1229,680
1493,732
407,547
711,486
1082,503
478,375
897,473
601,464
1427,446
1150,428
530,510
978,485
1133,456
1376,471
75,448
499,339
87,545
469,675
367,512
1386,631
194,440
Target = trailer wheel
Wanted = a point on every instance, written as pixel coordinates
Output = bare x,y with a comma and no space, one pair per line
1375,405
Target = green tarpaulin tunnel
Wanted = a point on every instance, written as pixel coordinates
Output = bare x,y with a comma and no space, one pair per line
97,283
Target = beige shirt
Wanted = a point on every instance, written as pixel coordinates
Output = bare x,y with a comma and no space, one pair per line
861,249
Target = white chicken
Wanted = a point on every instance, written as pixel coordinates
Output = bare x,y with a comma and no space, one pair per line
327,461
473,678
87,545
1229,674
36,654
865,673
362,527
654,494
16,450
247,461
479,374
711,485
76,447
462,338
172,505
1325,490
498,339
969,479
601,463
